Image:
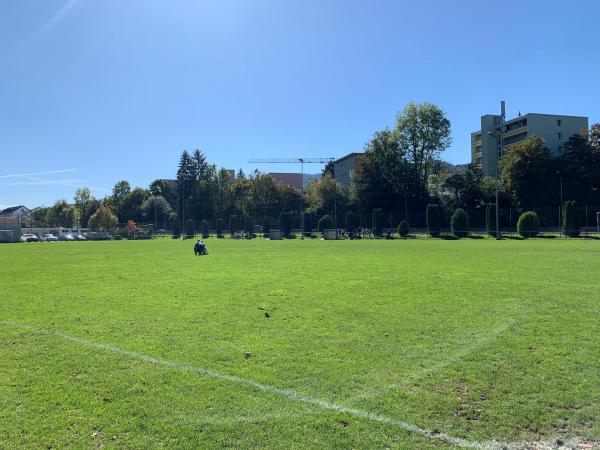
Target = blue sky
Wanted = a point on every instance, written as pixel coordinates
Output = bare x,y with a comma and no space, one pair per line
97,91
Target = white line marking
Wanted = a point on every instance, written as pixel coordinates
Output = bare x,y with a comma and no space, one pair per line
422,373
288,393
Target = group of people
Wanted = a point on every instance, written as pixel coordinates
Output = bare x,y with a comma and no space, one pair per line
243,235
359,232
200,248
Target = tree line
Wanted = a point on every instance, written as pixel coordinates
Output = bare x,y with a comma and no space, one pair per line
399,171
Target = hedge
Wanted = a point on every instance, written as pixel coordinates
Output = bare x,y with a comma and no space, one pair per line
377,217
403,228
204,229
490,219
571,219
434,219
528,224
460,223
326,223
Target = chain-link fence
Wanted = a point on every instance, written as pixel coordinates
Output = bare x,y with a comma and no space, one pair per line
550,222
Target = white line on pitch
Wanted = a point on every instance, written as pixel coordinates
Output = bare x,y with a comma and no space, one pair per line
288,393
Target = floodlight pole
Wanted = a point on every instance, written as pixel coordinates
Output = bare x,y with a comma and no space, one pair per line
154,201
498,237
302,195
560,224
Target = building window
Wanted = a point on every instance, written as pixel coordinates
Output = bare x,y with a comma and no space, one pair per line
559,136
558,123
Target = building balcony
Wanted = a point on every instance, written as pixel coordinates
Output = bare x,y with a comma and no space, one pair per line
514,132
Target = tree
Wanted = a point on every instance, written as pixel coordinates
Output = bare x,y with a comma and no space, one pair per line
460,223
86,205
131,228
466,189
328,169
131,207
200,167
120,190
325,196
186,178
62,214
103,219
433,216
381,176
526,169
423,132
158,204
163,188
186,169
39,217
240,175
579,165
594,136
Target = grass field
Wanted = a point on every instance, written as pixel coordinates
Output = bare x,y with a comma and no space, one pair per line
369,344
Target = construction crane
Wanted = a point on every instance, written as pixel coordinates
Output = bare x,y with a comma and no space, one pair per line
300,161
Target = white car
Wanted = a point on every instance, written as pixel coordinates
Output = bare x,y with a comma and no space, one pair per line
80,237
66,237
29,237
49,237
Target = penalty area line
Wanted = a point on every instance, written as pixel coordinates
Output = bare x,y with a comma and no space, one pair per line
287,393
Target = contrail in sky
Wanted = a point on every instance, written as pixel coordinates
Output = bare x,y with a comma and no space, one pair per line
40,182
25,175
44,28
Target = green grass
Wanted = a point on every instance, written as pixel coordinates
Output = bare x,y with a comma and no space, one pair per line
477,339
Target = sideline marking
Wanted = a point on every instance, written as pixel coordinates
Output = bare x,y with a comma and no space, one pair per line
421,373
288,393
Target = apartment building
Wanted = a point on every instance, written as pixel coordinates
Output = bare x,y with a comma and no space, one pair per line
554,129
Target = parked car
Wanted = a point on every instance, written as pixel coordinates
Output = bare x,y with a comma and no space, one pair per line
66,237
29,237
80,237
49,237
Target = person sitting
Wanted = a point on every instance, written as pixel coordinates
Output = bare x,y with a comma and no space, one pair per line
200,248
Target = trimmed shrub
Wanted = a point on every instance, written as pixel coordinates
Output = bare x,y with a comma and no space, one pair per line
219,226
233,224
528,224
285,223
403,229
266,226
571,219
434,219
378,220
204,229
190,227
326,223
460,223
176,228
350,222
490,219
